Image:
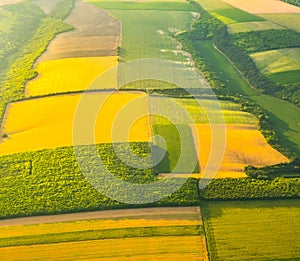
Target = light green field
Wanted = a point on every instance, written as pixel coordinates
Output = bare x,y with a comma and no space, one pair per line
256,230
212,5
163,6
198,111
276,61
151,37
234,15
252,26
291,21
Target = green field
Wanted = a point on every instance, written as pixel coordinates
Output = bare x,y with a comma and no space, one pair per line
256,230
291,21
162,6
181,156
252,26
203,112
212,5
285,77
151,38
285,117
276,61
234,15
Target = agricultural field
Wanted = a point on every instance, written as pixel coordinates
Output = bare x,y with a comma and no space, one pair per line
254,150
234,15
86,39
279,61
151,39
291,21
48,122
252,26
264,7
203,112
71,74
157,248
9,2
132,230
147,5
283,115
256,230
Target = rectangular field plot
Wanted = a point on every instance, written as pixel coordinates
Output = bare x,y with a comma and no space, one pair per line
48,122
101,220
244,145
233,15
151,38
276,61
263,6
212,5
150,248
219,111
96,33
291,21
72,74
253,230
252,26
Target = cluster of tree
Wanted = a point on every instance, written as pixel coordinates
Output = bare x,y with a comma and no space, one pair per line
258,41
292,2
55,183
271,172
248,188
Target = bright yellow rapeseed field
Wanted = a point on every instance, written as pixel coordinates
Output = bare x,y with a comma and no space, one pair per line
245,145
72,74
48,122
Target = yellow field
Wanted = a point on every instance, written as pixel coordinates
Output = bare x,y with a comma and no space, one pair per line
84,225
156,248
72,74
264,6
245,145
48,122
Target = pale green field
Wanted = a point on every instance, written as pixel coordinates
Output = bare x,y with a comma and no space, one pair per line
253,230
291,21
276,61
252,26
151,38
199,112
212,5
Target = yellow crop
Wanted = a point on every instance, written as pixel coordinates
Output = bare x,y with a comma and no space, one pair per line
245,145
72,74
149,248
48,122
